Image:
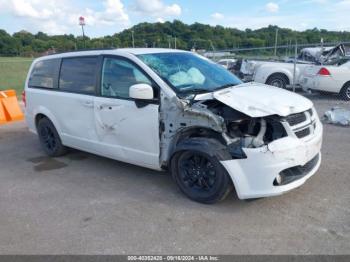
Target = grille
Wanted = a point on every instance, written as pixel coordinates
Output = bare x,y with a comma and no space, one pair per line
296,119
305,119
303,133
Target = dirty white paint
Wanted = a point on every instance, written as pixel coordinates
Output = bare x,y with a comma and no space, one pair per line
257,100
339,76
146,136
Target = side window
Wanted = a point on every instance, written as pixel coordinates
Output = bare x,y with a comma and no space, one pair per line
78,75
118,75
43,74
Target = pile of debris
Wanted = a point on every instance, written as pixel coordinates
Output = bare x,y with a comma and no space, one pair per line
337,116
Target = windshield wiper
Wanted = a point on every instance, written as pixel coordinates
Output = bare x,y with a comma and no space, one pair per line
195,91
224,86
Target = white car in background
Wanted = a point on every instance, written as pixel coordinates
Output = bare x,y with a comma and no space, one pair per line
278,74
281,74
227,63
332,79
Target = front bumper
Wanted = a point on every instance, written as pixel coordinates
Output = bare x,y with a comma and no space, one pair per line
254,176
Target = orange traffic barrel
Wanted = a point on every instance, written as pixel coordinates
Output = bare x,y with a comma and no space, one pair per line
9,107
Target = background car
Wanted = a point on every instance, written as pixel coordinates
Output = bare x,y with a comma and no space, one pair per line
227,63
332,79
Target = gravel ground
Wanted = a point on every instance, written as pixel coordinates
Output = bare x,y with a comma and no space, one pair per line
85,204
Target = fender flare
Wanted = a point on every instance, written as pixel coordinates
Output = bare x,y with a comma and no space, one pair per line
205,145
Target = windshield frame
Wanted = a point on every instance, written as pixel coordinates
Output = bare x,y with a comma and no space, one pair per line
184,94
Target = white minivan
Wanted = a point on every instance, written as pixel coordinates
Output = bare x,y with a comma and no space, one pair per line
175,110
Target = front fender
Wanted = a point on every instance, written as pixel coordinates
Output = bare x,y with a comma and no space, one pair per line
205,145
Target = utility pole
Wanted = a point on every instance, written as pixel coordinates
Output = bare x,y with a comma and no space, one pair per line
295,63
133,39
276,40
82,24
169,41
322,50
290,46
212,47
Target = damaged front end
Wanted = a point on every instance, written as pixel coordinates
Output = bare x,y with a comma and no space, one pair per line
264,155
213,119
242,131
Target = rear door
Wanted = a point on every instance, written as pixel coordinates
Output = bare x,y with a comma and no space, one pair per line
75,101
127,130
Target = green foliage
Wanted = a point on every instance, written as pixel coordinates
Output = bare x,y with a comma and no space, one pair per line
13,72
199,36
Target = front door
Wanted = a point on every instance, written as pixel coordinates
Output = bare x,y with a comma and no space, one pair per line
126,131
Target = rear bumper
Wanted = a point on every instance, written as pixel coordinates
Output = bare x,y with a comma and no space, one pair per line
254,176
320,83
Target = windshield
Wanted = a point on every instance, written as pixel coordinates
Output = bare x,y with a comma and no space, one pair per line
188,73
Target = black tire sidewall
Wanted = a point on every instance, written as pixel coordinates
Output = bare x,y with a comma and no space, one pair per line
343,94
278,77
59,149
223,185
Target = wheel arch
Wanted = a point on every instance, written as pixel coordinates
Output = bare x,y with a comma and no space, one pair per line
38,117
342,91
345,84
283,74
42,112
181,141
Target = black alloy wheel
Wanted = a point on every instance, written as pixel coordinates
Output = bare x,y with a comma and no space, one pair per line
49,138
196,171
201,177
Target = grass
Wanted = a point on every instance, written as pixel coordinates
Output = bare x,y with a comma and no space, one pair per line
13,73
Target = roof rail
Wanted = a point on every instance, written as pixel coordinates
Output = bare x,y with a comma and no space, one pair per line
83,50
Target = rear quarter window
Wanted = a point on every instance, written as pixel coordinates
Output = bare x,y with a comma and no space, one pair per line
43,74
78,75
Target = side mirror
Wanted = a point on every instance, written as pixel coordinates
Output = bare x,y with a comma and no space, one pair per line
141,92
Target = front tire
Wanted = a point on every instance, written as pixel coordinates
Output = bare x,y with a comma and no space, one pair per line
201,177
49,139
345,92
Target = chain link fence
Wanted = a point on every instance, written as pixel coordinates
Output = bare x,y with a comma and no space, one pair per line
320,72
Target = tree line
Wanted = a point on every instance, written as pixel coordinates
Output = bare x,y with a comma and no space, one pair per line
168,34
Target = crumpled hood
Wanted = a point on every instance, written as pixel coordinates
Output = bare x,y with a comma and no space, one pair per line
259,100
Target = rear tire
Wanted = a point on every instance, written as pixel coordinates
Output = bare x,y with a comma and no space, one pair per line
278,80
201,177
49,138
345,92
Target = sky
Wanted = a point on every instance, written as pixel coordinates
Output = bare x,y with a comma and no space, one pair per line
106,17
